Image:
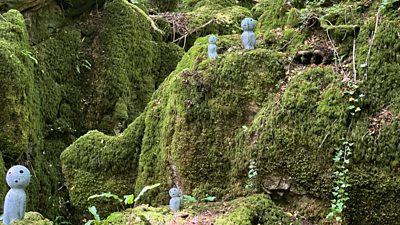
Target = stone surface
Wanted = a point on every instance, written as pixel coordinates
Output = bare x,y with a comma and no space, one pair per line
18,178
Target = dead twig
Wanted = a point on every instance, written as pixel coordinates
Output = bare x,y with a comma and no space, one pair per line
335,52
371,42
2,17
354,59
324,139
193,31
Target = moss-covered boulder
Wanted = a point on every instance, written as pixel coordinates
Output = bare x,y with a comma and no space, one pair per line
106,164
175,136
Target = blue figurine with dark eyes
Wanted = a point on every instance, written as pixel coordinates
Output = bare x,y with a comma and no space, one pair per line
212,47
175,201
18,178
248,35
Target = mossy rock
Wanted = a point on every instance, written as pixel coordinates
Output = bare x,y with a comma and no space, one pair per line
90,166
273,15
180,116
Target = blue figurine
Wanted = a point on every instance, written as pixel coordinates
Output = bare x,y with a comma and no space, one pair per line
175,201
248,36
212,47
18,178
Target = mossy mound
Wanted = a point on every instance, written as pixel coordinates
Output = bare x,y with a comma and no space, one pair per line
258,209
246,210
32,218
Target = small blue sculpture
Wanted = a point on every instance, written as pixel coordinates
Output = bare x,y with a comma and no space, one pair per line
248,36
212,47
18,178
175,201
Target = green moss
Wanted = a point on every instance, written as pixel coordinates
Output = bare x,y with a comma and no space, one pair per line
257,209
273,16
3,185
382,86
168,56
164,5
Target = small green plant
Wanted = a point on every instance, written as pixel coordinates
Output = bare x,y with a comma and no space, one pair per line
83,63
339,193
128,200
252,174
30,55
189,199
